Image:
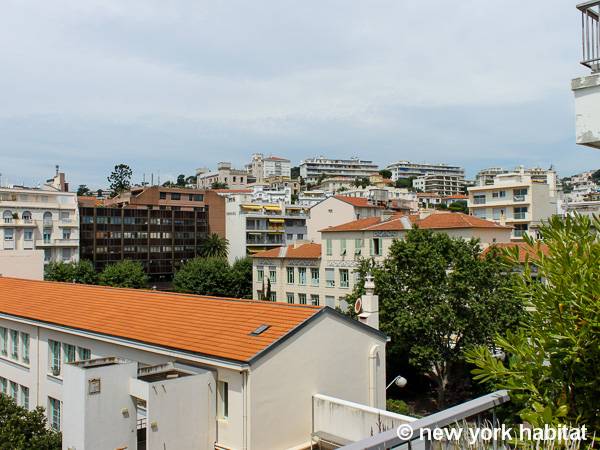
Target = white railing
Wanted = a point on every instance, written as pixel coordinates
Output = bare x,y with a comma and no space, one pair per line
590,34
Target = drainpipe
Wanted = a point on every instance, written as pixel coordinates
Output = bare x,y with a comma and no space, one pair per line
37,357
245,393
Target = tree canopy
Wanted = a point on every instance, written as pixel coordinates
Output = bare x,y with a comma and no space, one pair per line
214,246
120,179
21,429
386,173
125,274
214,276
219,185
79,272
83,190
552,359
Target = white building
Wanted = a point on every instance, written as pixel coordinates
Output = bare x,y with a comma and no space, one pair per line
45,218
407,169
441,184
517,200
262,167
312,197
581,187
486,176
225,174
313,168
118,368
27,264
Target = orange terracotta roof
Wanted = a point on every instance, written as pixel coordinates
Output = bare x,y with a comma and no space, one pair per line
355,225
456,220
211,326
360,202
526,252
302,251
457,197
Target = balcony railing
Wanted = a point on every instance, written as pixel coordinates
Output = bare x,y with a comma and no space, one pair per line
590,34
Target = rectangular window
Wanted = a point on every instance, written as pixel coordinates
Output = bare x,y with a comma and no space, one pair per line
479,199
25,397
314,299
520,229
498,213
163,195
329,247
25,347
3,384
3,341
343,247
54,413
28,235
66,234
66,254
69,353
302,275
520,213
9,234
47,236
175,196
344,278
376,249
499,194
290,297
329,278
83,354
290,275
302,299
198,197
223,398
273,274
358,245
314,277
54,357
14,391
273,296
260,274
14,344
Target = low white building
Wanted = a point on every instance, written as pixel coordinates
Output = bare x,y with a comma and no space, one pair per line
118,368
312,197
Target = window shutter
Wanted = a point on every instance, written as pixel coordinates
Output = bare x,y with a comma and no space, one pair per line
371,247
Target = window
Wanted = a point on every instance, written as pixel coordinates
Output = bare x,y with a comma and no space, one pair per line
54,357
376,247
66,234
54,413
64,216
7,216
342,247
198,197
358,245
479,199
69,353
26,216
47,236
9,234
28,235
314,277
302,299
314,299
302,275
329,278
272,296
25,397
83,354
499,194
498,213
290,297
25,348
260,274
175,196
273,274
329,247
300,236
14,347
522,192
344,278
290,275
47,218
223,399
14,391
3,384
520,212
162,195
3,341
520,229
66,254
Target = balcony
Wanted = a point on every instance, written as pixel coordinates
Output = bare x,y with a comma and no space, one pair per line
586,89
51,242
18,223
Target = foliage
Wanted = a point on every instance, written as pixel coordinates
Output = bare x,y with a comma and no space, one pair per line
386,173
124,274
460,206
294,172
80,272
553,358
596,176
120,179
214,246
83,190
437,296
23,430
181,182
361,182
214,276
192,179
404,183
397,406
219,185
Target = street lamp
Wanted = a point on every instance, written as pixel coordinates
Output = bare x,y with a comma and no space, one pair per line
400,381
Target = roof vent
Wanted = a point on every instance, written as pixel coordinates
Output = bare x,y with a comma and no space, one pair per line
261,329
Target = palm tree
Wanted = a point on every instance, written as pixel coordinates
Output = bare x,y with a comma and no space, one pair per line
214,246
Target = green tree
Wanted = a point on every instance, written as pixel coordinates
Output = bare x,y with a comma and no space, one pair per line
83,190
362,182
596,176
80,272
23,430
437,296
120,179
553,358
294,172
192,179
214,246
240,277
386,173
405,183
124,274
204,276
181,181
219,185
459,206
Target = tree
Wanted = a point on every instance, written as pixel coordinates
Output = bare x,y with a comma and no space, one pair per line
214,246
219,185
460,206
124,274
80,272
553,358
385,173
120,179
437,296
192,179
240,275
23,430
405,183
294,172
83,190
596,176
362,182
204,276
181,182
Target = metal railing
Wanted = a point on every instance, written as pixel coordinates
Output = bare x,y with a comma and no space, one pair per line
391,439
590,34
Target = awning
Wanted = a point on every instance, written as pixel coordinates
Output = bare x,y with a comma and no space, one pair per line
276,220
272,208
252,207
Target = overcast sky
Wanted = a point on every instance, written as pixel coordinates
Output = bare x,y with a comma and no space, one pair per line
171,86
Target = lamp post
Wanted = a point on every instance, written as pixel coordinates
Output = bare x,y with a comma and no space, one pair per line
400,381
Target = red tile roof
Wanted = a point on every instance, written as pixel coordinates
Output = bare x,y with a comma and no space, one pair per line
456,220
525,250
359,202
457,197
212,326
303,251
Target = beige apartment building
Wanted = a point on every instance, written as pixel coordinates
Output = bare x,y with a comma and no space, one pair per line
225,174
518,199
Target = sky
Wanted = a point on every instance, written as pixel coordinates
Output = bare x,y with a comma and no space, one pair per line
167,87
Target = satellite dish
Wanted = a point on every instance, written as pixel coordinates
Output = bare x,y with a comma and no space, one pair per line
358,306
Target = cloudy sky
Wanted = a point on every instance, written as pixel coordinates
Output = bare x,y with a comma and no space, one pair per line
171,86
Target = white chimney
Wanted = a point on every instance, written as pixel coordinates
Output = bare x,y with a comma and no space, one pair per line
370,304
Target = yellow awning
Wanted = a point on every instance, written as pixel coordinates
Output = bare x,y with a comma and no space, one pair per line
276,220
273,208
253,207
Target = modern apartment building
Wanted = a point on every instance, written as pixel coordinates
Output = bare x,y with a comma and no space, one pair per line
44,218
486,176
253,226
124,368
443,185
225,175
312,169
263,167
517,200
407,169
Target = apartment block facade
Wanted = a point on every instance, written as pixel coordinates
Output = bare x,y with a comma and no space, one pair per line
441,184
407,169
312,169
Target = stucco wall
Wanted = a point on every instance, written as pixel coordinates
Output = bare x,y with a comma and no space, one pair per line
328,213
587,110
27,264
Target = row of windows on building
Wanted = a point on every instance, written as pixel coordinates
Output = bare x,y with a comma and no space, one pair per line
102,249
519,213
144,235
518,196
9,235
179,196
61,352
375,246
299,276
129,220
19,393
302,299
8,216
14,344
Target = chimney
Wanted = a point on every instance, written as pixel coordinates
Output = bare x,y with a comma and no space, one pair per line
370,304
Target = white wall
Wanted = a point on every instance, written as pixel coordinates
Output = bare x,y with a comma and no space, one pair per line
587,110
329,212
27,264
